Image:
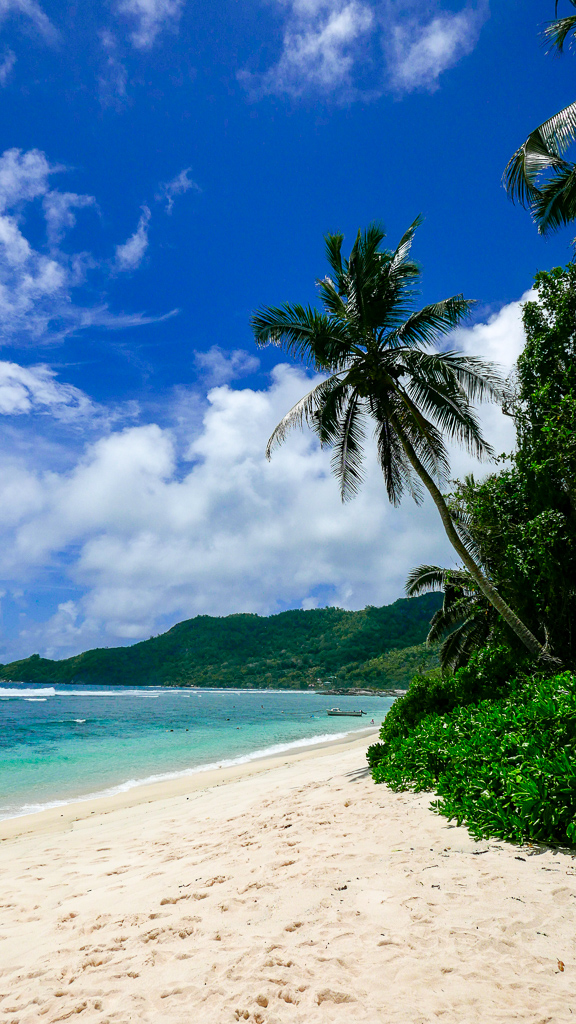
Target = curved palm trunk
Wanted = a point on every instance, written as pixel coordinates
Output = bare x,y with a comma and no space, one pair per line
490,592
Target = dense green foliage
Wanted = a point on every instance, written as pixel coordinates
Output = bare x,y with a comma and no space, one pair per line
523,520
503,767
487,676
497,740
293,649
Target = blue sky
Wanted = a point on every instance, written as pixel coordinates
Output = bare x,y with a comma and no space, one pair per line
169,165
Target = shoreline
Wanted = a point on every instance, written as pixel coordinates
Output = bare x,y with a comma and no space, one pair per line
189,780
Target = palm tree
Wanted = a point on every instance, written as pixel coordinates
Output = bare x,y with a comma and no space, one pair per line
378,363
537,175
464,610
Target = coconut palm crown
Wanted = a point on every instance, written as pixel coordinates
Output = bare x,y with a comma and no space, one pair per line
381,366
378,355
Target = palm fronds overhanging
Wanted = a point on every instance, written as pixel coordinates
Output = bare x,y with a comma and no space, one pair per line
465,615
537,175
382,371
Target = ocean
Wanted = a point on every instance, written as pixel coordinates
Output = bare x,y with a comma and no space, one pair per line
58,745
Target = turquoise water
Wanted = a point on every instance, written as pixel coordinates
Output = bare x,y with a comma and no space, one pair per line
61,744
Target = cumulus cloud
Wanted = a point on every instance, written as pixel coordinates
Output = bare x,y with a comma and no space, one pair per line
419,52
218,366
180,184
6,65
33,12
149,529
130,254
150,17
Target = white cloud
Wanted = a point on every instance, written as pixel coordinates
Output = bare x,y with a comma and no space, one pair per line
419,52
150,17
130,254
26,389
180,184
320,43
218,366
58,207
330,47
113,78
501,339
6,66
34,13
23,176
151,532
36,289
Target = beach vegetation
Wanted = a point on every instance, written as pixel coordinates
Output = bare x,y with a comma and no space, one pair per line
504,768
496,738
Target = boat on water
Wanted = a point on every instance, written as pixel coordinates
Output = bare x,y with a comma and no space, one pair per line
350,714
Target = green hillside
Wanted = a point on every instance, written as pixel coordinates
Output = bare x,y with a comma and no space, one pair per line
292,649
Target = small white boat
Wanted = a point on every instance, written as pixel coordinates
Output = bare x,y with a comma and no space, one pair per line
350,714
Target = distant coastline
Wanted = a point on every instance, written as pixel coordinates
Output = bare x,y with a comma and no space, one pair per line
324,649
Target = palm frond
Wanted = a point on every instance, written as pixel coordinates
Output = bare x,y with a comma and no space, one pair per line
393,462
403,249
481,381
305,411
423,579
327,419
426,578
424,326
557,32
555,204
348,451
333,244
331,298
319,341
449,617
542,150
426,440
453,652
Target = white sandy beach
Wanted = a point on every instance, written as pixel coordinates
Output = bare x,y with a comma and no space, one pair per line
279,892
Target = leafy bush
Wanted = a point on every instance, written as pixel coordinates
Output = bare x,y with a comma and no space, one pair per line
503,767
486,675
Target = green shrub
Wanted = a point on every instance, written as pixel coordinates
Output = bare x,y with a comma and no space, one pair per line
488,674
503,767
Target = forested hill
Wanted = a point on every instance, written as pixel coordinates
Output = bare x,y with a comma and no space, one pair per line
292,649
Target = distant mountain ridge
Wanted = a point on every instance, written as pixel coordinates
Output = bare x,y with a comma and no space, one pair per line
377,647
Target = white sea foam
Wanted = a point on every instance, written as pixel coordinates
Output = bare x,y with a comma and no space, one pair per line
104,693
124,787
39,693
36,700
